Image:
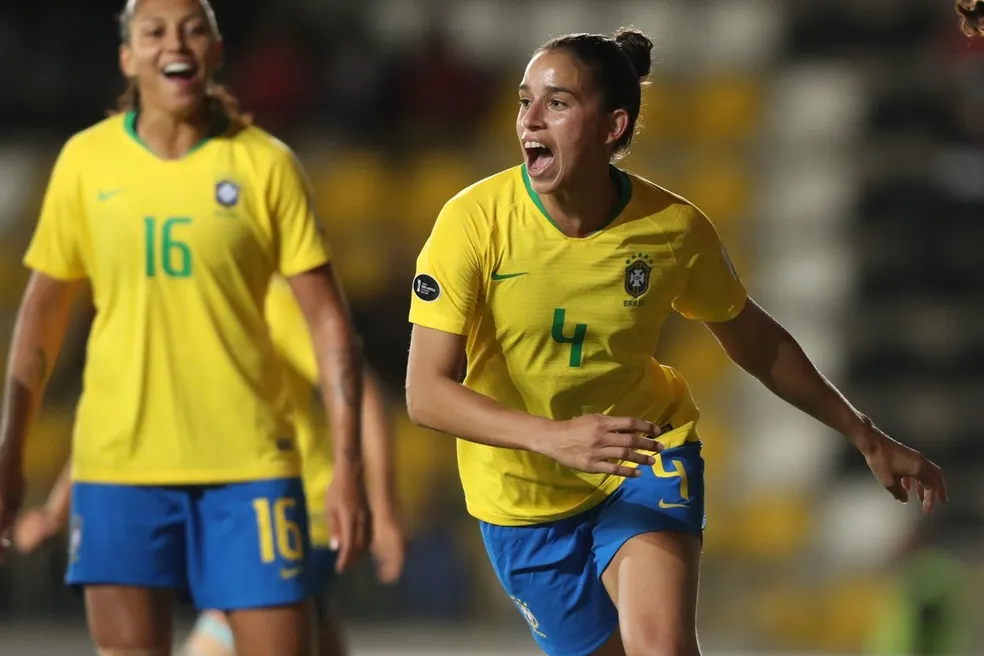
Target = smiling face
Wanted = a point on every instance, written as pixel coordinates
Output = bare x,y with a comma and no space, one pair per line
562,125
172,51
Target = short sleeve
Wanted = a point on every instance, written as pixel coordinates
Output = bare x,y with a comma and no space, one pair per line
289,330
713,291
56,247
300,241
449,269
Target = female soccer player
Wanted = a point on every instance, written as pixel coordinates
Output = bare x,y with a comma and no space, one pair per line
212,635
552,280
185,466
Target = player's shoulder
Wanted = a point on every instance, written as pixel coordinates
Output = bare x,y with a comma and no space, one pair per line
481,202
663,207
490,191
261,144
100,137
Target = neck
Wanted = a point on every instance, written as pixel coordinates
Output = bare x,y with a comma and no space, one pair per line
171,137
585,204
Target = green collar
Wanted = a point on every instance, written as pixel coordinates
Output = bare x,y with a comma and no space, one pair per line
622,183
219,127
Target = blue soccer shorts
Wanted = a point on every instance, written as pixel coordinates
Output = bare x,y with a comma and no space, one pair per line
230,546
552,572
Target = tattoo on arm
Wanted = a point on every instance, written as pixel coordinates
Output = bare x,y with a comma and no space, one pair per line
40,369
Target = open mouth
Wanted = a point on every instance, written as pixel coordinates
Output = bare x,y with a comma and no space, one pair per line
181,72
538,157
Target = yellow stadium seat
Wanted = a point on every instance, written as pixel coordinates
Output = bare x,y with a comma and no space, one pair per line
362,264
351,189
774,525
849,609
429,181
720,184
726,108
663,109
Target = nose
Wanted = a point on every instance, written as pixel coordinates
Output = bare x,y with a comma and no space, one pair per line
175,39
532,117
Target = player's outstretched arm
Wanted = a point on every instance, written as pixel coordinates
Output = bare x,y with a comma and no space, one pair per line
763,348
340,369
37,526
436,400
38,335
388,545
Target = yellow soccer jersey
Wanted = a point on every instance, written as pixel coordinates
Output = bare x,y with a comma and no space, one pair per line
560,327
182,384
292,339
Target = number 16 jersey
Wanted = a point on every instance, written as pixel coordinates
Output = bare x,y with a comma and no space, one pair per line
182,384
561,327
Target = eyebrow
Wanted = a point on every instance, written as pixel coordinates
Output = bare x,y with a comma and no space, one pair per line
550,89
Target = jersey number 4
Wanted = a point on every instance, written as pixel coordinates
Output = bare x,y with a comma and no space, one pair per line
576,342
172,256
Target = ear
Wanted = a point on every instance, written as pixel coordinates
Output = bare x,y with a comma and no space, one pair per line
618,124
127,65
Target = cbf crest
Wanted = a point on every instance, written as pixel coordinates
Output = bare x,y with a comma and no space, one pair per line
528,615
638,267
226,193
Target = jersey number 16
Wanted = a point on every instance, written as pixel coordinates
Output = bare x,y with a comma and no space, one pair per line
172,256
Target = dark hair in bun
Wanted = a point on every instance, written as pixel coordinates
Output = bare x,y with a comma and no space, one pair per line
618,65
637,47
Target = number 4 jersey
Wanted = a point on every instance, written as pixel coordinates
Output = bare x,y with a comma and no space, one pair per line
560,327
182,384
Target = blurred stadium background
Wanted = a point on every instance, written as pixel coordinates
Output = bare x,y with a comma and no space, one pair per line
837,144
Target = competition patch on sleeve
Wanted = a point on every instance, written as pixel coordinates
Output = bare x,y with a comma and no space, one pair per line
426,287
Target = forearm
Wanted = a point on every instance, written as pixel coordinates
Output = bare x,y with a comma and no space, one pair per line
442,404
340,367
59,501
38,335
787,371
377,448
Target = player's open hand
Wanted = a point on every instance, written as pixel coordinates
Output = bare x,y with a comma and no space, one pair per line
348,515
388,547
598,444
33,529
899,468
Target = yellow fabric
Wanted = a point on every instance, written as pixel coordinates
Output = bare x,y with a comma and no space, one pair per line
560,327
182,384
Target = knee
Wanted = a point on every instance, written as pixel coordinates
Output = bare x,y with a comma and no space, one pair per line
660,641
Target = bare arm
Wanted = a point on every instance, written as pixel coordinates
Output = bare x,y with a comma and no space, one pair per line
377,447
38,336
766,350
59,501
339,362
436,400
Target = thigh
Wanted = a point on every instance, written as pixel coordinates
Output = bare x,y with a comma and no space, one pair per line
125,535
549,573
669,496
248,546
653,581
284,630
321,565
127,620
